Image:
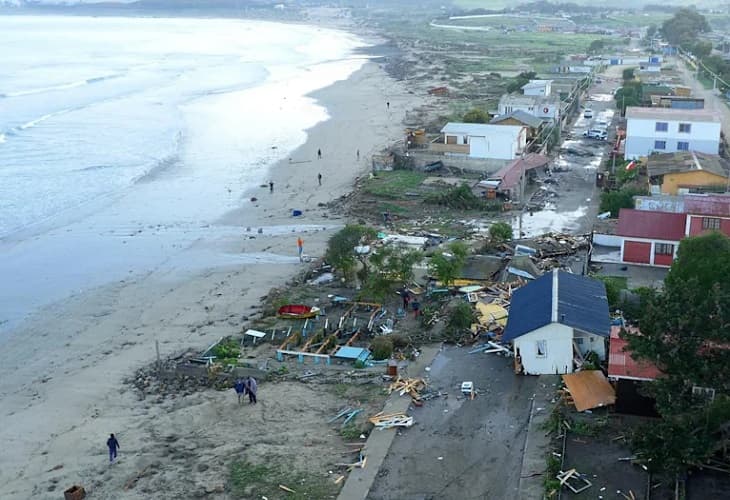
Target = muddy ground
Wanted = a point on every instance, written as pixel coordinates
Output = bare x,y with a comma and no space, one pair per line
461,448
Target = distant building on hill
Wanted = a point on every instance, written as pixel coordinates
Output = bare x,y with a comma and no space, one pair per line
537,87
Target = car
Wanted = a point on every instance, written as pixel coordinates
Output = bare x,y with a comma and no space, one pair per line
588,113
595,133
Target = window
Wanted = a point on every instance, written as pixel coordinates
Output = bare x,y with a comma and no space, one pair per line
707,393
578,340
541,348
710,223
663,249
685,128
660,144
682,146
661,127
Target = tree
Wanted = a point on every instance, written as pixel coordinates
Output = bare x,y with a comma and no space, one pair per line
476,116
631,94
596,46
389,265
500,232
685,332
447,266
683,28
520,80
628,74
341,247
614,201
651,31
701,49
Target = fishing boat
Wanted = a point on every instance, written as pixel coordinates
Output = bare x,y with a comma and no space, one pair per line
297,311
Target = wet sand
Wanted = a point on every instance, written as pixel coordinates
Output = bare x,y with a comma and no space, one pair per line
62,372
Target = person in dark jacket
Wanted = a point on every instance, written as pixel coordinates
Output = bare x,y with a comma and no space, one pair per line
113,446
252,388
240,389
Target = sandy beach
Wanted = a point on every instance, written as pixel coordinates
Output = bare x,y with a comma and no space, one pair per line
62,372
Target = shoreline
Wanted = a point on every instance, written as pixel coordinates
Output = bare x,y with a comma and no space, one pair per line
84,347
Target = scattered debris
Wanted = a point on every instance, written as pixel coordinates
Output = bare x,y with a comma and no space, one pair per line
392,420
574,480
411,386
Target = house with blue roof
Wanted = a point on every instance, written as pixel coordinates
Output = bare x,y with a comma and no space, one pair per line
555,319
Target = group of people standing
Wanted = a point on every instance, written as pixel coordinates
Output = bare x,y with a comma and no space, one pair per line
246,386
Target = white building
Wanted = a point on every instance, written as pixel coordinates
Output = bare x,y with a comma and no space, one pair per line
668,130
537,87
555,320
482,140
543,107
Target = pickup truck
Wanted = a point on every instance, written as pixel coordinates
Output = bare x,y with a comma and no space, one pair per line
595,134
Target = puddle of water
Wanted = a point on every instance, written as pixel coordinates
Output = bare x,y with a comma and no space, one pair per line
548,221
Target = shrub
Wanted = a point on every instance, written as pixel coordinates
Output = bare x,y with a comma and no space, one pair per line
382,348
500,231
461,197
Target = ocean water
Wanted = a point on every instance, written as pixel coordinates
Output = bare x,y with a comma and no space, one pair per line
140,132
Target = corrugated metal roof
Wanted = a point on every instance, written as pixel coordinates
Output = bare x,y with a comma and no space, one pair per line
686,161
521,116
510,174
530,308
481,129
674,114
651,225
718,205
581,304
622,365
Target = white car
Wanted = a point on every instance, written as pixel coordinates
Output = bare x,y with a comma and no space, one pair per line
588,113
595,133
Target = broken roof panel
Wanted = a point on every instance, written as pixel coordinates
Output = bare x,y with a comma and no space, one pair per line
510,175
589,389
348,352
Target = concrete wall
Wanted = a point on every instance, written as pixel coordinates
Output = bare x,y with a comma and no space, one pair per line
641,135
558,356
607,240
698,178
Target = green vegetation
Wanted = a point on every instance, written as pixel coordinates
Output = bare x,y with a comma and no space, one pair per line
389,266
248,480
350,432
226,352
684,332
613,201
476,116
340,248
381,347
460,319
393,184
614,285
630,94
683,28
596,46
500,232
447,266
521,80
461,198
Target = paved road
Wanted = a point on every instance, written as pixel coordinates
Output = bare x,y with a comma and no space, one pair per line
459,448
712,100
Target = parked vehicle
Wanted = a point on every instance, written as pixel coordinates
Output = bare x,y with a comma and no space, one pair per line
588,113
595,133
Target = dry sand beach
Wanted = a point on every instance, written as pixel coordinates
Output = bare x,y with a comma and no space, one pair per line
61,374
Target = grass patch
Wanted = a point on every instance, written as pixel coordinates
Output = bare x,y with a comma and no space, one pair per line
247,480
394,184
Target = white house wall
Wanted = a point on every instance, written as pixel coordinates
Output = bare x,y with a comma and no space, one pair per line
641,135
559,350
587,342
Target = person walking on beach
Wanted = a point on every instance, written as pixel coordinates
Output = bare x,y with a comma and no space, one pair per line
300,248
387,105
319,154
113,446
358,155
252,387
271,186
240,389
319,179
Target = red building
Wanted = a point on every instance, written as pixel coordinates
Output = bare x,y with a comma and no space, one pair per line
620,363
651,235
